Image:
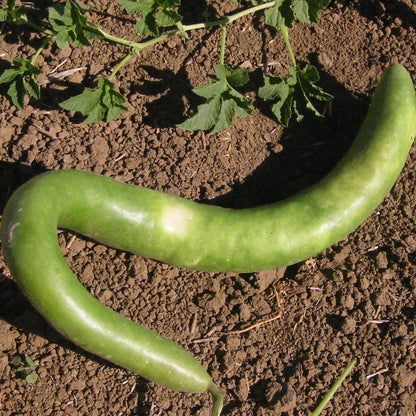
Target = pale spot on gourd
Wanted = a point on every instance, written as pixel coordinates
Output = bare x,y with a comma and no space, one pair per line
177,220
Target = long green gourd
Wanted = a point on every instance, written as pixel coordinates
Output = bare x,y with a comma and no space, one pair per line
188,234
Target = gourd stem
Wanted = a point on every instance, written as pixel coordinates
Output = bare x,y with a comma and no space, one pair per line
217,398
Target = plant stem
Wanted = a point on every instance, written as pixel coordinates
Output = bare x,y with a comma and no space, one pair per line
217,399
333,389
285,34
230,18
40,49
120,65
222,45
40,28
138,46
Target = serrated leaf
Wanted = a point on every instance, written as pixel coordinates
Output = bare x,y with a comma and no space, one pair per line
222,101
25,67
205,117
115,111
4,14
294,93
9,75
241,104
307,11
17,93
33,88
71,26
318,93
130,6
281,14
96,115
283,109
84,102
309,73
147,26
102,103
167,17
273,87
238,77
211,89
225,117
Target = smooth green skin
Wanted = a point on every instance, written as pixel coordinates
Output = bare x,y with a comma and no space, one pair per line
192,235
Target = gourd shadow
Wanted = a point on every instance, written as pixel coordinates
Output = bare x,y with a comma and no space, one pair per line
307,152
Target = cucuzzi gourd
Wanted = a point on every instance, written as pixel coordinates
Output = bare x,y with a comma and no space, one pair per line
188,234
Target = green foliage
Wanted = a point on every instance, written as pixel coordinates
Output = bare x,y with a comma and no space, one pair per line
26,368
71,26
22,79
102,103
67,25
294,93
154,14
285,12
11,13
222,100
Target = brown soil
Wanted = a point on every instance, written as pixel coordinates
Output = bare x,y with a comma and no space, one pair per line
357,299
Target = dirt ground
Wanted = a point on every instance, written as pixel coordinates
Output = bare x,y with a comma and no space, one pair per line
356,299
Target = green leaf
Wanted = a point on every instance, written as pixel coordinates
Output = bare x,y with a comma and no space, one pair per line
4,14
17,93
223,101
84,102
16,361
212,89
242,104
33,88
130,6
232,101
147,25
205,117
31,378
167,17
9,75
236,77
307,11
294,93
273,86
12,14
71,26
101,103
96,115
23,81
225,117
154,14
281,14
283,108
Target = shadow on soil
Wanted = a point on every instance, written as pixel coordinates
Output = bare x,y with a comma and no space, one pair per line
386,12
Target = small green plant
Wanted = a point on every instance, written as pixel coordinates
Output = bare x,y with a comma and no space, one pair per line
333,389
70,24
26,368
